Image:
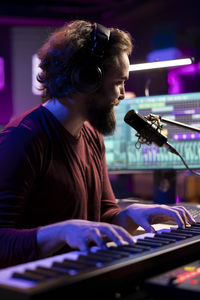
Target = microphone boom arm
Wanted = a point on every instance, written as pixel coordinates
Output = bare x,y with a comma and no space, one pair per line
179,124
158,118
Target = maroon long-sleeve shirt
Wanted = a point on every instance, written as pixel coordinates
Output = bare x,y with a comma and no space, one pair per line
47,176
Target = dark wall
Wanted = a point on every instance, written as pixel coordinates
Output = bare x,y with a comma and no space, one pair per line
6,108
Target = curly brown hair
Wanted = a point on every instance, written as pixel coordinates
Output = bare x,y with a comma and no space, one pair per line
70,46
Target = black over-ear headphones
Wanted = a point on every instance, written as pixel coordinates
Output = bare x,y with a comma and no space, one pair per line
87,78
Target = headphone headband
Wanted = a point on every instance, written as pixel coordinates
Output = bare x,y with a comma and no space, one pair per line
88,77
101,35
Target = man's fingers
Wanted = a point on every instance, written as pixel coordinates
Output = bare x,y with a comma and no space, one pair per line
124,234
182,216
147,227
96,237
112,234
188,216
96,234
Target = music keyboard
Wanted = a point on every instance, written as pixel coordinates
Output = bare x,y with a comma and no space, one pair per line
101,273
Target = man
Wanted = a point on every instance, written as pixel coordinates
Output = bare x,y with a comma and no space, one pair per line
54,185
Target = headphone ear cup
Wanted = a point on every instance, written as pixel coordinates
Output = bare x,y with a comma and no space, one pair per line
86,79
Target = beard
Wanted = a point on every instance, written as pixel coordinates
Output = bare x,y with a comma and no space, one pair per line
102,118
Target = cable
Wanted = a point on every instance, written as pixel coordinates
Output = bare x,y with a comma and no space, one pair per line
192,171
156,119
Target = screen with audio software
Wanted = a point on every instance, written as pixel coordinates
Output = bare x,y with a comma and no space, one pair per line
121,152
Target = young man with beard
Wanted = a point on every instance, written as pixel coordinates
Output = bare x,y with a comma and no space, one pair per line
54,185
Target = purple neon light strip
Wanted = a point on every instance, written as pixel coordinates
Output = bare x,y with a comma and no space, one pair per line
186,136
2,74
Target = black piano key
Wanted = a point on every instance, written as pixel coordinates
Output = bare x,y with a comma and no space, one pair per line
182,232
113,253
197,224
193,227
186,234
101,257
143,247
131,250
149,243
93,258
105,253
44,274
173,235
126,252
64,272
48,272
119,251
167,238
195,230
69,265
77,263
28,276
192,232
163,241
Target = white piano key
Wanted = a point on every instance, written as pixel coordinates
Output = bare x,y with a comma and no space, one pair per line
6,274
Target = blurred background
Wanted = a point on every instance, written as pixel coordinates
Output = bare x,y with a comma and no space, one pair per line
161,30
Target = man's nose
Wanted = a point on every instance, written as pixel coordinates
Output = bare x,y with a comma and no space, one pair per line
122,93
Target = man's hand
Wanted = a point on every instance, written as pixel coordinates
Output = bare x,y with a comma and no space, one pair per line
77,234
145,215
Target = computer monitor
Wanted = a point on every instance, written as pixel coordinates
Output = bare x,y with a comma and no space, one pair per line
121,152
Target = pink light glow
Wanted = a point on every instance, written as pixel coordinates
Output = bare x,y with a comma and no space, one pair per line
2,74
178,200
174,80
186,70
175,86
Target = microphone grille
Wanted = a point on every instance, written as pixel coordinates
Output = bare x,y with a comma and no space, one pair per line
129,115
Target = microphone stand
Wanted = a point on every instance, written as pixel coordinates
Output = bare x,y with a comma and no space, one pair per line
184,126
179,124
170,195
161,176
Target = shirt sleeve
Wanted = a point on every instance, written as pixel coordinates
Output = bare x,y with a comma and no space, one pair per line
17,246
17,173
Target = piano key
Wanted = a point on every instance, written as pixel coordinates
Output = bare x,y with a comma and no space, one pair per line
146,262
197,229
46,275
113,253
64,271
167,238
94,258
143,247
48,271
126,248
163,241
148,243
137,248
124,251
77,263
173,235
196,224
186,234
29,276
193,231
118,250
69,266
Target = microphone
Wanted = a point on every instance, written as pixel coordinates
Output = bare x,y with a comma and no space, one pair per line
147,131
